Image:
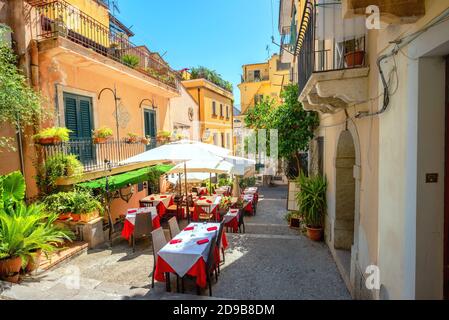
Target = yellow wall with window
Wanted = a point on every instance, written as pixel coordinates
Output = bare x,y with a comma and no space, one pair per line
273,76
213,125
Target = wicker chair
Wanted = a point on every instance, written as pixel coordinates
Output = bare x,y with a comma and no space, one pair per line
219,244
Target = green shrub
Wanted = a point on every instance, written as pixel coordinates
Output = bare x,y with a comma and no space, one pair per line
131,60
311,199
63,134
58,166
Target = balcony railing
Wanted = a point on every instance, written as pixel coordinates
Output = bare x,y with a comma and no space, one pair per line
93,156
60,19
321,55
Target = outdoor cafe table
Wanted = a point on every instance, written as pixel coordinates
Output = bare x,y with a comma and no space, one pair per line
130,220
231,219
183,255
249,200
252,191
160,201
225,191
212,201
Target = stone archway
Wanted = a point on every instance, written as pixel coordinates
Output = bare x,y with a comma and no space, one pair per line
345,192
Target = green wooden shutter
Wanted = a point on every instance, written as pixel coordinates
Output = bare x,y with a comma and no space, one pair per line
71,117
85,128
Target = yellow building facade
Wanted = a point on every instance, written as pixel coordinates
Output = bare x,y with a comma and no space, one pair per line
215,111
263,80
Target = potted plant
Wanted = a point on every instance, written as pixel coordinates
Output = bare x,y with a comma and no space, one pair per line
311,201
225,204
130,60
58,166
102,135
294,219
132,138
86,207
146,140
51,136
354,55
163,136
61,203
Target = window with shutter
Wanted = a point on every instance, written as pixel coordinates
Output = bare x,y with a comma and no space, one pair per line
78,119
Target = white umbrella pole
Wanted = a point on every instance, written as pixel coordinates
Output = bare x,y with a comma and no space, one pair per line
210,183
187,195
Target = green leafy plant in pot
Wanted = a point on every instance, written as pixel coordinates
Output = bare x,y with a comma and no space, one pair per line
311,200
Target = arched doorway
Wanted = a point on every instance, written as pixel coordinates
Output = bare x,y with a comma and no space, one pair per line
345,194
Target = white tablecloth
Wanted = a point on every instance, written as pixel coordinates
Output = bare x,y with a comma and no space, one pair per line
250,190
131,214
158,199
232,214
182,256
216,201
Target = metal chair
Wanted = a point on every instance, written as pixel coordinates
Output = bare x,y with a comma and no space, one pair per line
173,227
159,241
142,228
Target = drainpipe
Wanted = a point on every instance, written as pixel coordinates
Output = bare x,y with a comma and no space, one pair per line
199,114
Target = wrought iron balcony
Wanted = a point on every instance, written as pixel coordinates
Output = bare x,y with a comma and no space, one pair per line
322,55
60,19
93,155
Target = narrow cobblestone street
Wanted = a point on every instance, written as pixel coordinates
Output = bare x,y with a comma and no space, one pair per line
269,261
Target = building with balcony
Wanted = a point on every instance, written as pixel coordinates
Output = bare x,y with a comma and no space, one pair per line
215,111
261,80
81,58
380,85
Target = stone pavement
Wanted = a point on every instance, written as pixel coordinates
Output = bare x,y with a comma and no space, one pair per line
270,261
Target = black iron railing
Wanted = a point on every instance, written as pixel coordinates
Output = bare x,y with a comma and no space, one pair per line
60,19
93,155
318,55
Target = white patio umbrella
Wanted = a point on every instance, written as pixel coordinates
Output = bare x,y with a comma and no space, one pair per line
180,151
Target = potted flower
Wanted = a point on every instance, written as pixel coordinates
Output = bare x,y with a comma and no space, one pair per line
86,207
102,135
354,55
130,60
51,136
311,201
132,138
163,136
146,140
225,204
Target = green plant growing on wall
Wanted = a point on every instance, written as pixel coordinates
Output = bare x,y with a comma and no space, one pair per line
212,76
131,60
19,104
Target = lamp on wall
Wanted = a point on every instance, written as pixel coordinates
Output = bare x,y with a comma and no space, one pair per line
151,101
116,100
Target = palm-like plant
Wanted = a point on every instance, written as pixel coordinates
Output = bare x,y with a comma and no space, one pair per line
311,199
24,230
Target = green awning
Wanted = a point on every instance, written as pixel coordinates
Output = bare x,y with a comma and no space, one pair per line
124,179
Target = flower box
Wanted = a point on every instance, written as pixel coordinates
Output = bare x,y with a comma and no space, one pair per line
87,217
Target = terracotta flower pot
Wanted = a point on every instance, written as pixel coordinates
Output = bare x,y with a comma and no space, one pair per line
48,141
10,269
354,58
100,140
34,261
315,234
65,216
76,217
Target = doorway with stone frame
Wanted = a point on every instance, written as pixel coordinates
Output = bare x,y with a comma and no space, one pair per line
345,200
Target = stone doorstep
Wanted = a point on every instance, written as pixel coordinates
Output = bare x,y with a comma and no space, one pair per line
74,249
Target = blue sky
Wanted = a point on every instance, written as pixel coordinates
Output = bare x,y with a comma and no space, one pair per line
219,34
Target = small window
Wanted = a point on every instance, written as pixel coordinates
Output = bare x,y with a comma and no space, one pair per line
214,108
227,112
256,75
221,110
216,139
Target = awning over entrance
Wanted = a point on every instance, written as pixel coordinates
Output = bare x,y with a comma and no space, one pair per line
128,178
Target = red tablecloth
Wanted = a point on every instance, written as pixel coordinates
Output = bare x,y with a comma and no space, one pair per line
128,227
198,270
234,224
